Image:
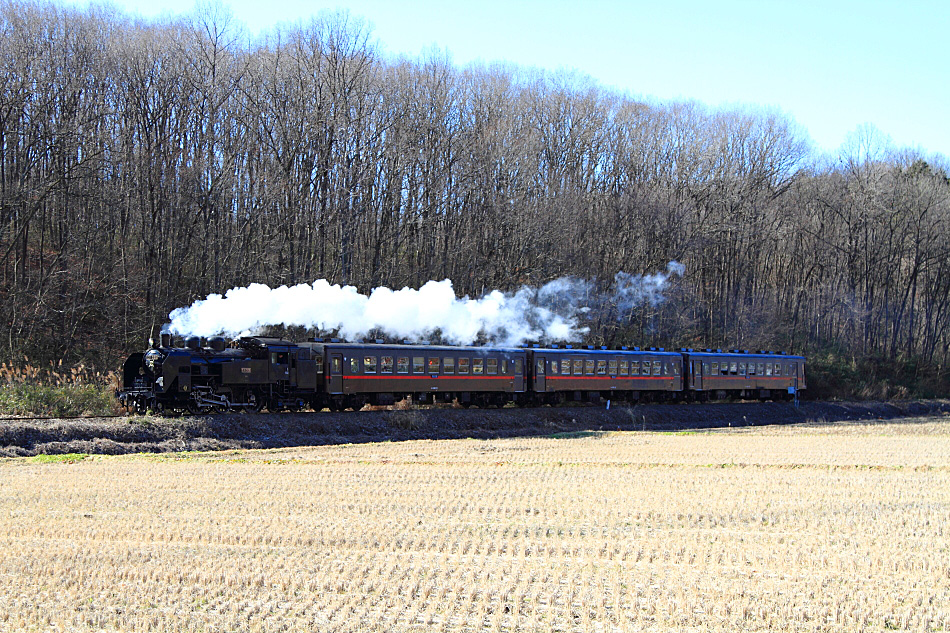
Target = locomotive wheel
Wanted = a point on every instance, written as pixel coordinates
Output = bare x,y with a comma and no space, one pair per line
254,403
196,409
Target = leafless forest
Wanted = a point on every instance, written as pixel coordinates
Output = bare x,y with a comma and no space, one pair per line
144,164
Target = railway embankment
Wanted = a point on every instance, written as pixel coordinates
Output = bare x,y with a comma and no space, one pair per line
138,434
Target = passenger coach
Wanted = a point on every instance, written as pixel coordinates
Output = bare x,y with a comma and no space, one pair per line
592,374
714,374
380,374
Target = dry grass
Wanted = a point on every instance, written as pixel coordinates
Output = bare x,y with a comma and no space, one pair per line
56,390
837,527
54,374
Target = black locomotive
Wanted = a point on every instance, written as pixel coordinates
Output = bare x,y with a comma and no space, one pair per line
256,372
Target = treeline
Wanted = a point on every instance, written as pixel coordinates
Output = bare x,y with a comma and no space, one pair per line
144,164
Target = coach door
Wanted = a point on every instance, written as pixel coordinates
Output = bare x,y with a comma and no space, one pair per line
336,374
540,362
518,383
696,375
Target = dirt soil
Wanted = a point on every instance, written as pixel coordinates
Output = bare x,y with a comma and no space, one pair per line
138,434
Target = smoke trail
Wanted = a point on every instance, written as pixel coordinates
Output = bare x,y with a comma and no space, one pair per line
631,291
549,313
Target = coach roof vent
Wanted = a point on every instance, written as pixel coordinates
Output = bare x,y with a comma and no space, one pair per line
568,347
379,341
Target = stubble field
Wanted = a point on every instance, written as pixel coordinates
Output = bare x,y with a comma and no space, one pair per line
813,527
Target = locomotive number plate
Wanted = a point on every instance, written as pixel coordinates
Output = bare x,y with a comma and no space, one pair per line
245,370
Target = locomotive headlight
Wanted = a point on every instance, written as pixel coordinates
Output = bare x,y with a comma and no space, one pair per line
153,358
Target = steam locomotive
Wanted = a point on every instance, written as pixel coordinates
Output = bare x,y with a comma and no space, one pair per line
256,372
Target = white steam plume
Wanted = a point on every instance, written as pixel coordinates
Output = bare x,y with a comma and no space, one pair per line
549,313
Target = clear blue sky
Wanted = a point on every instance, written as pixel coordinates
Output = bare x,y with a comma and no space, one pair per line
831,64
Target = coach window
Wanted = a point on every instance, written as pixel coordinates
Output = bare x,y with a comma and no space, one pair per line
517,366
402,365
656,368
369,364
448,365
635,368
589,366
336,365
624,368
715,369
477,365
463,365
386,365
566,366
553,369
734,368
578,367
612,368
434,365
676,369
795,369
601,368
492,366
354,365
742,369
778,369
418,364
768,369
504,366
319,361
539,367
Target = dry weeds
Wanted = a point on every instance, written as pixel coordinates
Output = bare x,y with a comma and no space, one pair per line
812,528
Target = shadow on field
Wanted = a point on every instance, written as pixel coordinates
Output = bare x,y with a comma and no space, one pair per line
137,434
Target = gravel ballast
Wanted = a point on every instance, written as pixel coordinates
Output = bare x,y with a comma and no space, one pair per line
139,434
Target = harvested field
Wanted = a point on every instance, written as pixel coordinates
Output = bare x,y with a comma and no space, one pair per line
812,527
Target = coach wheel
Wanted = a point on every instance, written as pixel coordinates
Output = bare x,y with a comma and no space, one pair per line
157,407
